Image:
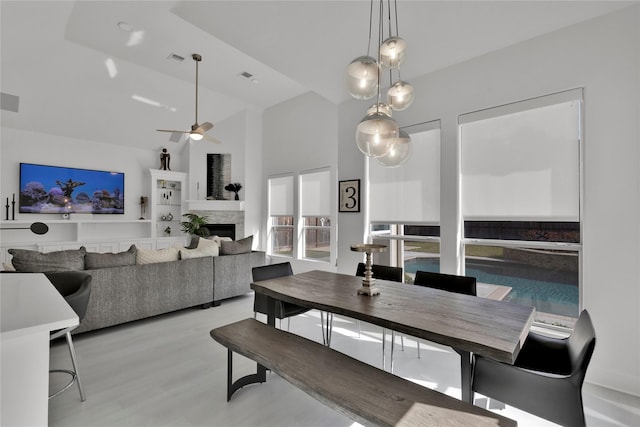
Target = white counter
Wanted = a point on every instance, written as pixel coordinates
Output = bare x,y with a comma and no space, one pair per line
30,307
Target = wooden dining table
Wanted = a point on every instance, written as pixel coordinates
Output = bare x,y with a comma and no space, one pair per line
468,324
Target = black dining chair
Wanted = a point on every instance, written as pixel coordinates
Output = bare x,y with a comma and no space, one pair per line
446,282
75,287
284,310
547,376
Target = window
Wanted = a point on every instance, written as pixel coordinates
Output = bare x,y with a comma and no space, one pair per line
300,215
281,226
315,212
521,201
405,203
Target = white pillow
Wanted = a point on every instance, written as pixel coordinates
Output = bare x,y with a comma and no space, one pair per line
204,243
218,239
150,256
200,251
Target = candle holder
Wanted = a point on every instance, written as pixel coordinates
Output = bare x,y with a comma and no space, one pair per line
368,283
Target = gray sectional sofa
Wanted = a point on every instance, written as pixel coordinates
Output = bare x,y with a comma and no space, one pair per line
124,293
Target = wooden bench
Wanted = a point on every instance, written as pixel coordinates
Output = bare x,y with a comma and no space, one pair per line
360,391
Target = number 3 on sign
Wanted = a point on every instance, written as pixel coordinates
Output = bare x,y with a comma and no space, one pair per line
349,196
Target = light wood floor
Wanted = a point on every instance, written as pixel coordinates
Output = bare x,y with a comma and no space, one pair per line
167,371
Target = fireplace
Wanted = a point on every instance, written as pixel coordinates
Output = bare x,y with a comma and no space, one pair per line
222,230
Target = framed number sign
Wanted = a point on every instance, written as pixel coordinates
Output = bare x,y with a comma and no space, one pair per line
349,196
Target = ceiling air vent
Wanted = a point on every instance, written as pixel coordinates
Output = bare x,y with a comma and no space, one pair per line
246,75
175,57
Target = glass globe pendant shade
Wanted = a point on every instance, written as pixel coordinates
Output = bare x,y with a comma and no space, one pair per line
400,95
380,107
374,133
392,52
398,152
362,77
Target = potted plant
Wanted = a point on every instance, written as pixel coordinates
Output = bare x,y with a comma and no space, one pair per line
195,225
235,187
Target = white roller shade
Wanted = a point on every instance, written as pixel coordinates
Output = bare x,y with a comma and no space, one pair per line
524,164
409,193
281,196
315,193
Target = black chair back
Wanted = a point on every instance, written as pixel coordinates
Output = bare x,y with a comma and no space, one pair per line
75,287
446,282
271,271
382,272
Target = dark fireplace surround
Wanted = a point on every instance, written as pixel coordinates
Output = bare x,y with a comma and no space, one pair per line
222,230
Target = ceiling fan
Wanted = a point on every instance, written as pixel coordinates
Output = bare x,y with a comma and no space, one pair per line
197,131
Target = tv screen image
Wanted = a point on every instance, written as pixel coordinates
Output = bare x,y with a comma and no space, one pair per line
57,189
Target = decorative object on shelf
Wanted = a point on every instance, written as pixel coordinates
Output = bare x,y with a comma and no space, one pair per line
143,206
165,160
235,187
368,283
218,173
349,192
13,207
167,231
378,135
195,225
169,216
197,131
7,209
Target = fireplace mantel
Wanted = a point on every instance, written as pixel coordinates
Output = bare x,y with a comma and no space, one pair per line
214,205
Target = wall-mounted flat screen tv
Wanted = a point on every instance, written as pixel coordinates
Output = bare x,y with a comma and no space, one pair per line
57,189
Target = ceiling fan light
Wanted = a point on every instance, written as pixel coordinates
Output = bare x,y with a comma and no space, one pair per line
400,95
399,151
374,133
392,52
195,136
362,77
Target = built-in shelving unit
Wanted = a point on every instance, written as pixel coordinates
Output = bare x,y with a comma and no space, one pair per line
167,202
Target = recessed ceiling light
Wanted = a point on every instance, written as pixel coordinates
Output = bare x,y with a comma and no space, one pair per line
125,26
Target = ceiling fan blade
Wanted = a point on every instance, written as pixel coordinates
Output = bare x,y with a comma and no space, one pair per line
211,139
205,126
172,131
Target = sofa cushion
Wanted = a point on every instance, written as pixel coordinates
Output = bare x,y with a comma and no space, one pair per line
241,246
150,256
28,261
201,251
94,260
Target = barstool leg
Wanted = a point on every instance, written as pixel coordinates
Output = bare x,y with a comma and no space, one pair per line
72,352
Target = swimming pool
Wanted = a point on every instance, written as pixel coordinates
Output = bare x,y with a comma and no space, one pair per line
549,291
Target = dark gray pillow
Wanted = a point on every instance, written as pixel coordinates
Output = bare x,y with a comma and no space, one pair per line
241,246
28,261
194,242
94,260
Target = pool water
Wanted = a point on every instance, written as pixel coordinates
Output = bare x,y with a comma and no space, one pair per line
549,291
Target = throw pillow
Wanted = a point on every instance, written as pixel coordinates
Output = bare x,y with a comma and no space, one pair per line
93,260
241,246
28,261
150,256
205,243
7,266
194,242
219,239
201,251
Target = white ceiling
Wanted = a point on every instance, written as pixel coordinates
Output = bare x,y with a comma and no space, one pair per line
54,55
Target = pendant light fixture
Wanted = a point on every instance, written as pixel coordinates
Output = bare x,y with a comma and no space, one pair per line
377,134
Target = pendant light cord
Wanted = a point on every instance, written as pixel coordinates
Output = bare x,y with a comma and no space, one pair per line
197,92
370,25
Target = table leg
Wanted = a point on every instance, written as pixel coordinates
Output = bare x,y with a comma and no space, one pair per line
465,370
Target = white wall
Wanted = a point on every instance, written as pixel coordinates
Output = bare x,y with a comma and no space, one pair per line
18,146
299,134
240,136
603,56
